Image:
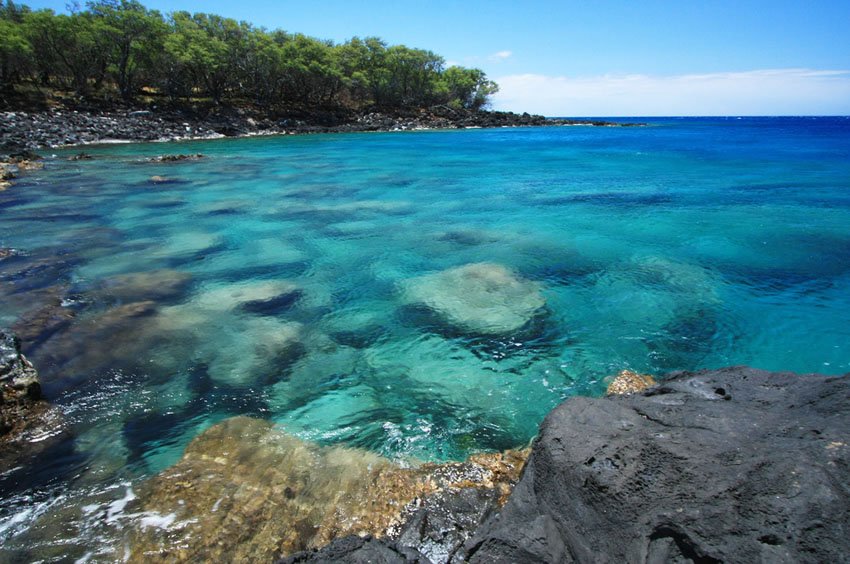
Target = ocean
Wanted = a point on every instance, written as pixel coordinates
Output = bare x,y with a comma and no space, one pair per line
421,295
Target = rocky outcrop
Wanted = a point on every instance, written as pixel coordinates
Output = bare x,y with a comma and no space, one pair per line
15,163
731,465
175,158
20,391
24,415
734,465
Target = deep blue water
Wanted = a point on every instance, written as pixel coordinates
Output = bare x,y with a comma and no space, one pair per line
324,282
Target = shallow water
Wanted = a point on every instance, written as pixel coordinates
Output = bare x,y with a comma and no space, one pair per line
323,282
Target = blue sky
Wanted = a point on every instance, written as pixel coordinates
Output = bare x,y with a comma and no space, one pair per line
580,58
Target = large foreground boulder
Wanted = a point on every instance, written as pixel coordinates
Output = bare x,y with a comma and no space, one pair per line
733,465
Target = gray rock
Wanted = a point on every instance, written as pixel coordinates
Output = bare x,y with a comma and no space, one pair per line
731,465
20,391
736,465
357,550
445,521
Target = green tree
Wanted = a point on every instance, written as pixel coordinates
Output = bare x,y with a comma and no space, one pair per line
124,46
468,88
263,67
135,36
196,58
15,49
311,73
69,48
414,74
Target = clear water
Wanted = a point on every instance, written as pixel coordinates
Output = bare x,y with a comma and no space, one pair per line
691,243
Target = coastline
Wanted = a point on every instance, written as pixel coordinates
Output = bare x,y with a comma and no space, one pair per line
22,131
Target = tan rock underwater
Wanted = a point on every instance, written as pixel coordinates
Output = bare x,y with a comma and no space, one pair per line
248,491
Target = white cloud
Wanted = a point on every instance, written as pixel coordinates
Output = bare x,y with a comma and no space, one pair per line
757,92
500,56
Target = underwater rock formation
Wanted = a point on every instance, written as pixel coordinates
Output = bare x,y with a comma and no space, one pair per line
157,285
654,292
245,490
121,333
483,298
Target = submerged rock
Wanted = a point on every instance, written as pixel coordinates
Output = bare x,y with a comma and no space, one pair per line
733,465
156,285
15,163
247,491
654,292
6,176
251,344
245,296
119,334
272,343
482,298
45,320
157,179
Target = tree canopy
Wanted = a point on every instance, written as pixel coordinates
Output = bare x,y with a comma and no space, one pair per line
119,48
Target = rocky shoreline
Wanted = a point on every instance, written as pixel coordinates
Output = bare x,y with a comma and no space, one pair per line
735,464
730,465
22,130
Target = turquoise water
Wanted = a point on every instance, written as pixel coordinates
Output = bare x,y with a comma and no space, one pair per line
424,295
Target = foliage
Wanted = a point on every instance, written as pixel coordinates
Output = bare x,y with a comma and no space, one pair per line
121,47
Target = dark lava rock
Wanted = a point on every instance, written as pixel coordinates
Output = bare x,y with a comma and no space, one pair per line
358,550
22,408
175,158
734,465
445,520
731,465
29,425
76,125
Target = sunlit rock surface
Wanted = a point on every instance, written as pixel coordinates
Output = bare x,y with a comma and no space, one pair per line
729,465
247,491
628,382
483,298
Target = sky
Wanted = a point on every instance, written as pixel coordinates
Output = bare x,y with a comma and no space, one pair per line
600,57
